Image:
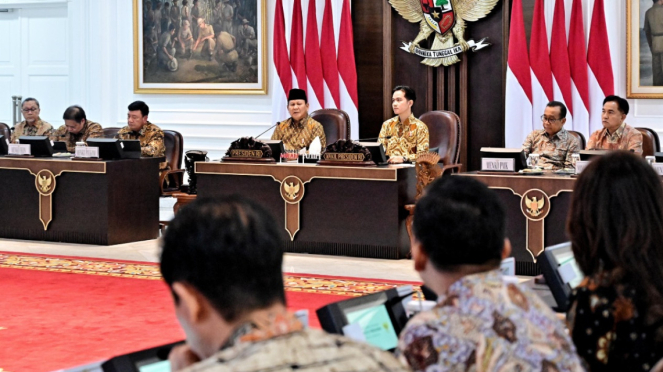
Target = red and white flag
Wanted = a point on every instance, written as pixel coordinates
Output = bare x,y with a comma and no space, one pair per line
312,60
518,108
542,84
559,62
578,64
601,80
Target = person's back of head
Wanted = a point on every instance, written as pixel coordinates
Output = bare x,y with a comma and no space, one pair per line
229,250
616,221
459,222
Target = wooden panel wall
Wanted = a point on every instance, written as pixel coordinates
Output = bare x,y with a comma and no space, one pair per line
473,88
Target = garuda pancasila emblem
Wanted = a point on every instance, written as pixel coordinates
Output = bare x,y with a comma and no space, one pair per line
291,190
443,17
534,206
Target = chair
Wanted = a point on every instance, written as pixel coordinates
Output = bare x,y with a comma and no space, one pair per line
444,134
111,132
5,131
171,180
650,142
579,137
336,123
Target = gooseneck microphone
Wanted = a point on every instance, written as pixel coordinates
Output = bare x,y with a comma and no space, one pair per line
256,137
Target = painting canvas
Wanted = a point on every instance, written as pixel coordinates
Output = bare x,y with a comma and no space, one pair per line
200,46
644,49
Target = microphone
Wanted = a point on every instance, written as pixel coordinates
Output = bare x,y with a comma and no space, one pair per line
256,137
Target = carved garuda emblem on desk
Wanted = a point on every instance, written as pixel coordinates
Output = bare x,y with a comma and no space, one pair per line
445,18
45,182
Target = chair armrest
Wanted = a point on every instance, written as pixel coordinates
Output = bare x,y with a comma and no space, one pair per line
451,168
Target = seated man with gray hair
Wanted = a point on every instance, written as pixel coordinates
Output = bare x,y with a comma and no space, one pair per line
32,125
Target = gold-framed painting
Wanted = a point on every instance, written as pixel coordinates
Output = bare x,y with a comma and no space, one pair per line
200,46
644,49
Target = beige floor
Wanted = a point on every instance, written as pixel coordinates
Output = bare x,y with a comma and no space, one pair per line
293,263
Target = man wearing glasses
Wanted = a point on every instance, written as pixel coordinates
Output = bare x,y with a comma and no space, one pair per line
32,125
616,134
553,143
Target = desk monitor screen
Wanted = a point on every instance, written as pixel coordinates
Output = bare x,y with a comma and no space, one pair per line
111,148
505,153
3,145
377,318
377,152
40,146
60,146
561,272
589,154
659,157
277,148
150,360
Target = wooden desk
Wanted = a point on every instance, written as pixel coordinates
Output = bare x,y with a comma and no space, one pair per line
90,202
353,211
532,227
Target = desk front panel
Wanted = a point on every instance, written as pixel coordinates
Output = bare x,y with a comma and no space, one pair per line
92,203
344,211
529,233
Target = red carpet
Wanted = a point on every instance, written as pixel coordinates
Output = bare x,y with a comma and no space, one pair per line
52,319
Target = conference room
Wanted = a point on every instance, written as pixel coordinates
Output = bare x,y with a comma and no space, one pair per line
341,134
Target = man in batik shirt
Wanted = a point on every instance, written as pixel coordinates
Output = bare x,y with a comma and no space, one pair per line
32,125
404,136
150,136
553,143
300,129
222,260
76,128
616,134
481,322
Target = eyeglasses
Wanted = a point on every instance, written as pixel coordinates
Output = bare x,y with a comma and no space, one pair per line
549,120
30,109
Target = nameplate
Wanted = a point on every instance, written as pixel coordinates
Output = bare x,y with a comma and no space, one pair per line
498,164
239,153
658,168
18,149
87,152
343,156
581,165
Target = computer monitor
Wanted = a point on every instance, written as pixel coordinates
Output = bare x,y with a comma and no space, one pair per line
112,149
149,360
377,152
3,144
561,272
586,155
659,157
60,146
518,155
277,148
377,317
40,146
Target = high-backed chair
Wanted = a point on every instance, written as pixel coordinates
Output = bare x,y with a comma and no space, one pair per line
650,141
4,130
579,137
172,179
444,131
111,132
336,123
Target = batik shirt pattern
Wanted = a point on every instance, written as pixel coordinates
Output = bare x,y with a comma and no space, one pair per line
90,130
404,139
607,322
297,135
151,141
485,324
41,128
555,151
282,344
625,138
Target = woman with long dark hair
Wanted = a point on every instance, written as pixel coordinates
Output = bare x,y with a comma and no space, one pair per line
616,230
